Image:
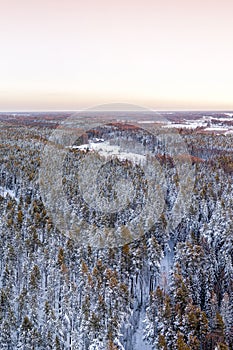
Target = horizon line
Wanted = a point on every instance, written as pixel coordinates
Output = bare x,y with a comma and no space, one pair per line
113,110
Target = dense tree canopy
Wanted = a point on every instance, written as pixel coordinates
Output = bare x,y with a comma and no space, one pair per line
173,287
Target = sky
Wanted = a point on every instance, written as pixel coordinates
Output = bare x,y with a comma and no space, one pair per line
74,54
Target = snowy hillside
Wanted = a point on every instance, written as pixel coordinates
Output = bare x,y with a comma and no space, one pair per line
154,271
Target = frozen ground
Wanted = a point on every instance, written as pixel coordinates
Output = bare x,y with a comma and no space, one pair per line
207,123
107,150
140,344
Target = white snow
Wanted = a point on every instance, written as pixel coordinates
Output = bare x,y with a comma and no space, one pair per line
106,150
222,119
205,122
192,125
140,343
4,192
148,121
166,264
217,128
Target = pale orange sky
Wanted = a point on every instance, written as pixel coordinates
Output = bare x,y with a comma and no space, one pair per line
164,54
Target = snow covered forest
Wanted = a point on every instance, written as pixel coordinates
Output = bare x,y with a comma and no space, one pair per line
170,289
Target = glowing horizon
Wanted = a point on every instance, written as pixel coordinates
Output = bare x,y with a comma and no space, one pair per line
69,55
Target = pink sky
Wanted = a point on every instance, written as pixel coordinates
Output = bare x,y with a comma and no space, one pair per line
60,54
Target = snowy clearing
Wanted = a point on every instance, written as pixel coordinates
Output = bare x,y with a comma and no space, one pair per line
104,149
